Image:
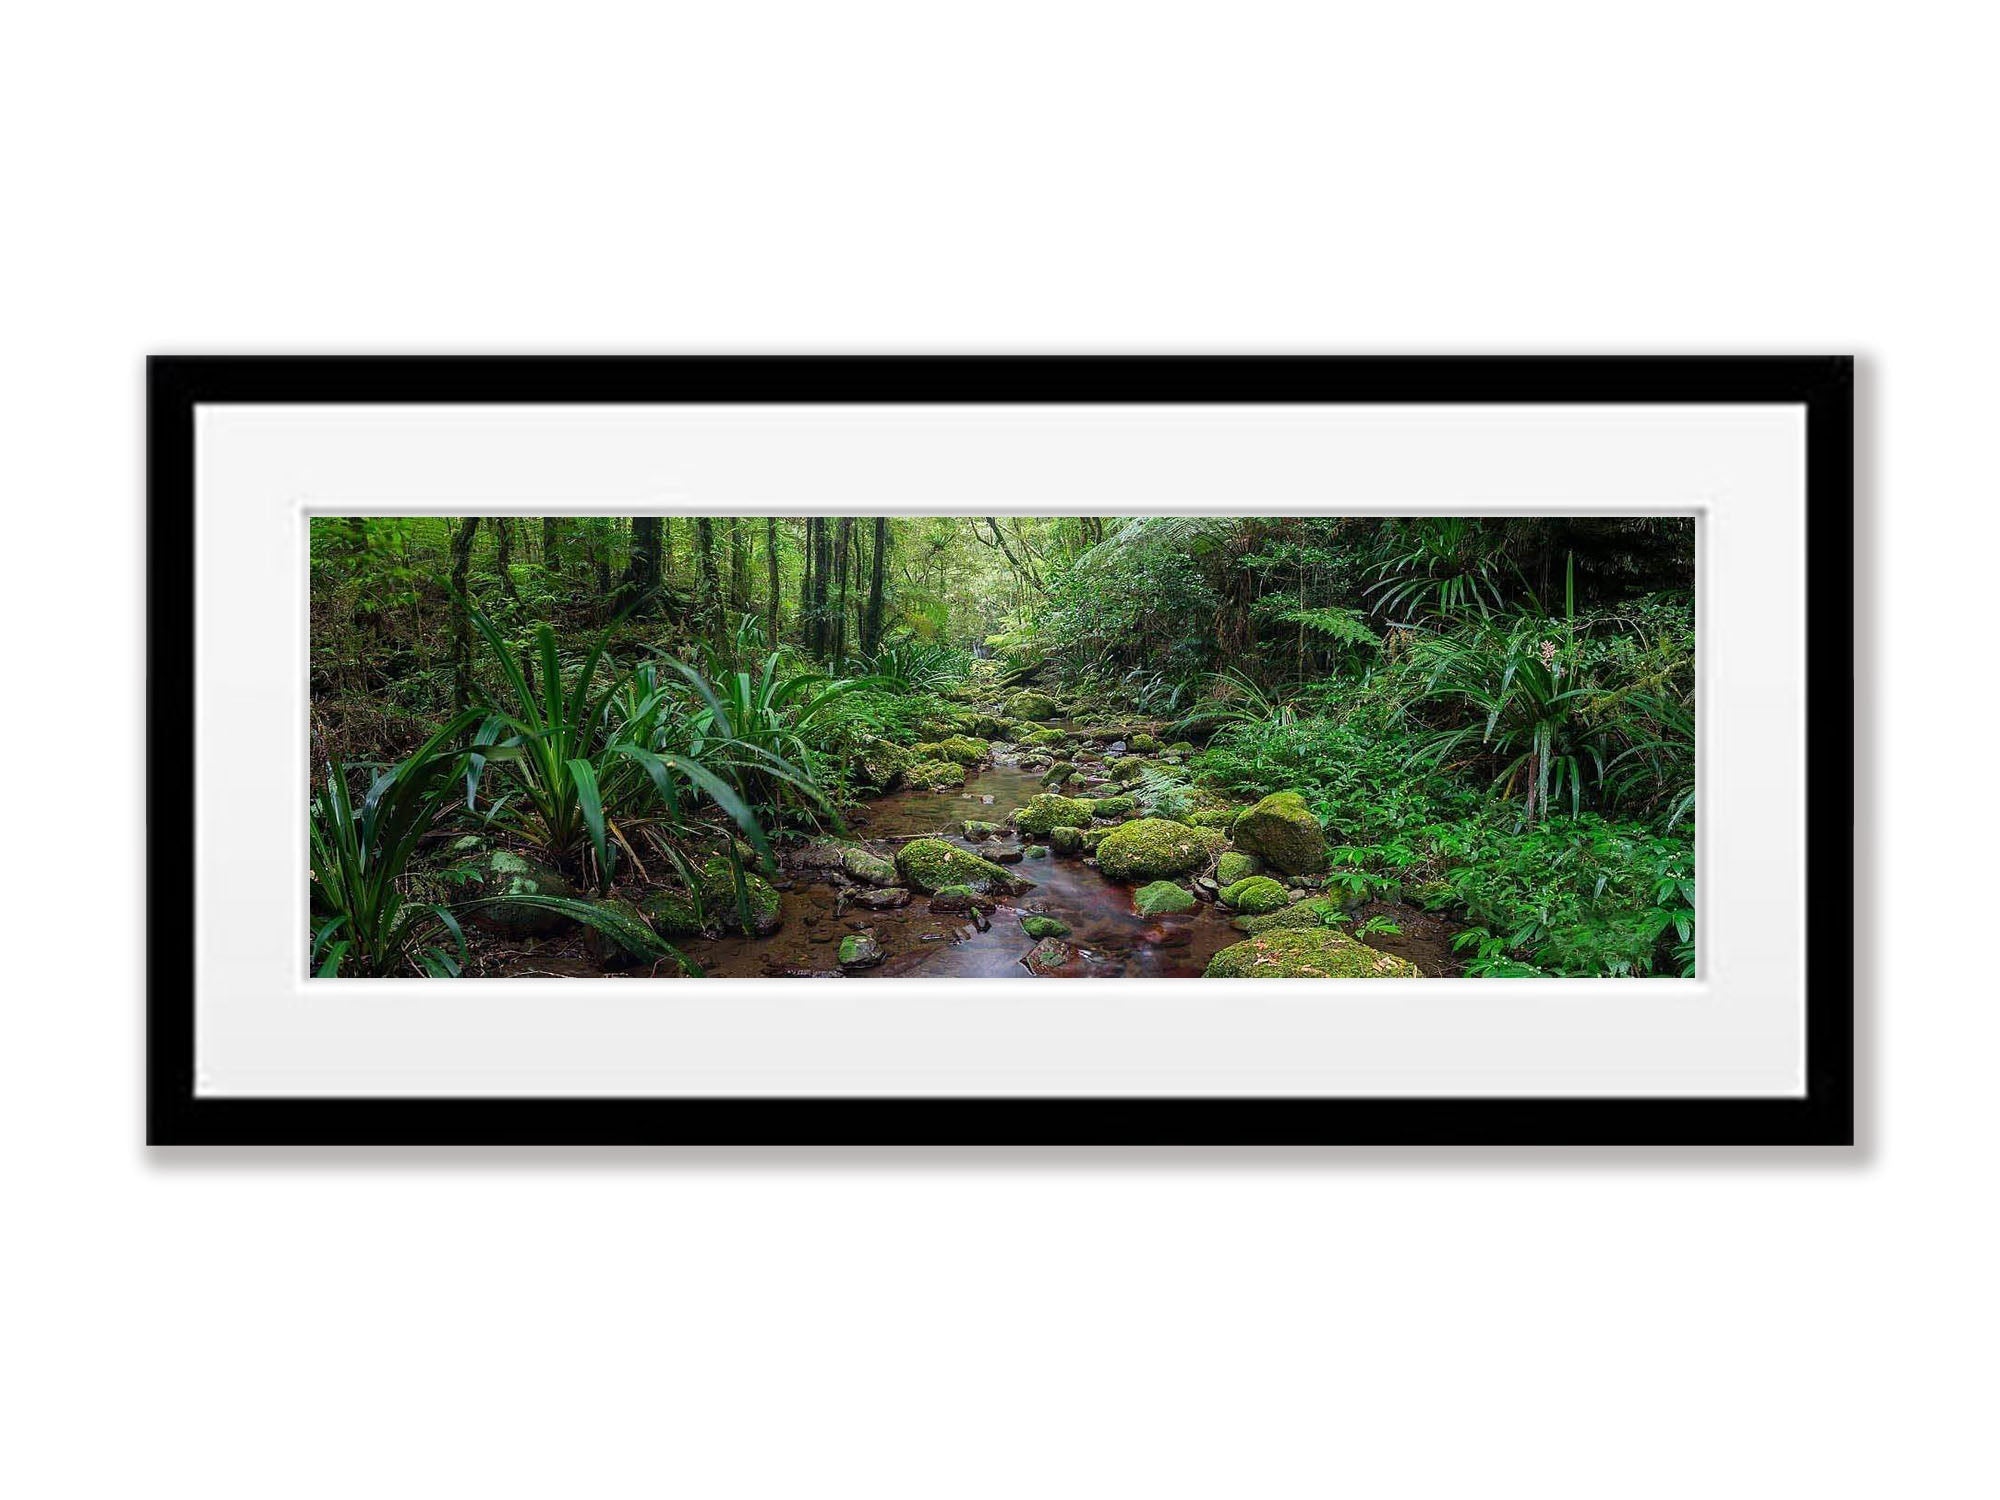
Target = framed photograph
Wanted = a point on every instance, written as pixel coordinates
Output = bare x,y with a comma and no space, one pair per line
1020,751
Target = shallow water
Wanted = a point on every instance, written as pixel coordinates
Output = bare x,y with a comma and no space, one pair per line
1110,938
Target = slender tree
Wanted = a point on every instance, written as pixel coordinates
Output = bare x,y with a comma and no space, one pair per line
708,585
503,532
771,572
642,568
461,611
842,545
871,626
552,544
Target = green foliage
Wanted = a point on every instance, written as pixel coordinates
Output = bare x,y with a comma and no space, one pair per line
363,921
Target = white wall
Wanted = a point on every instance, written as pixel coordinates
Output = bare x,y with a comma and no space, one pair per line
1530,177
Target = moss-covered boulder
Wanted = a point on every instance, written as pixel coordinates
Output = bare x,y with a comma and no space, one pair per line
1314,911
931,865
621,935
959,749
1045,738
1066,840
1181,747
1255,895
1283,832
976,829
1037,926
1152,849
1029,704
1059,772
1307,953
1160,898
860,951
673,914
988,727
1112,807
1233,866
875,764
1047,811
503,873
1142,744
1127,771
766,910
1035,851
1050,956
869,869
935,775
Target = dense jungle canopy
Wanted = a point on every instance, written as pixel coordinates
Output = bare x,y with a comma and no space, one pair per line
1234,745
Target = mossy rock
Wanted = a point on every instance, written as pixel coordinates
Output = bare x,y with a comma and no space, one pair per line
1234,865
1112,807
626,936
935,775
931,865
987,727
1127,771
976,829
876,763
1045,738
1029,704
1152,849
718,889
1044,927
1313,912
1307,953
1283,832
1057,772
1066,840
958,748
505,873
1181,747
1142,744
859,950
869,869
1255,895
673,914
1160,898
1092,837
1046,811
1049,956
1035,851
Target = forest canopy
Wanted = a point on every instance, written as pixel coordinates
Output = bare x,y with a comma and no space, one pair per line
648,744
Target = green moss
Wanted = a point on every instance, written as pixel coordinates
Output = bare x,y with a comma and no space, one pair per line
1152,849
1058,772
1283,831
1031,705
1044,927
1050,955
869,869
505,873
1045,738
1047,811
931,865
976,829
621,935
1142,744
1299,953
1112,807
1161,897
1312,913
1181,747
987,727
875,763
1035,851
718,889
1255,895
935,775
959,749
673,914
1066,840
860,951
1233,866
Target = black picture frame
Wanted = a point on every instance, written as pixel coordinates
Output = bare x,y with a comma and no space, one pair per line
1823,1115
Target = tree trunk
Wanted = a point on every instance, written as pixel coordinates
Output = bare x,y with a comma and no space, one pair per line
461,611
871,627
843,539
642,568
551,544
708,586
771,571
505,562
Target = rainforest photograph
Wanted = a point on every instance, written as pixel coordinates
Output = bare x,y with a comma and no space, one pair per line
1007,746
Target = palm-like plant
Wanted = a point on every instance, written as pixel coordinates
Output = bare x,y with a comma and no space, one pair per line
1441,565
364,921
574,768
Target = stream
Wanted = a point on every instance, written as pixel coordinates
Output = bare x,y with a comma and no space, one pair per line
1110,939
